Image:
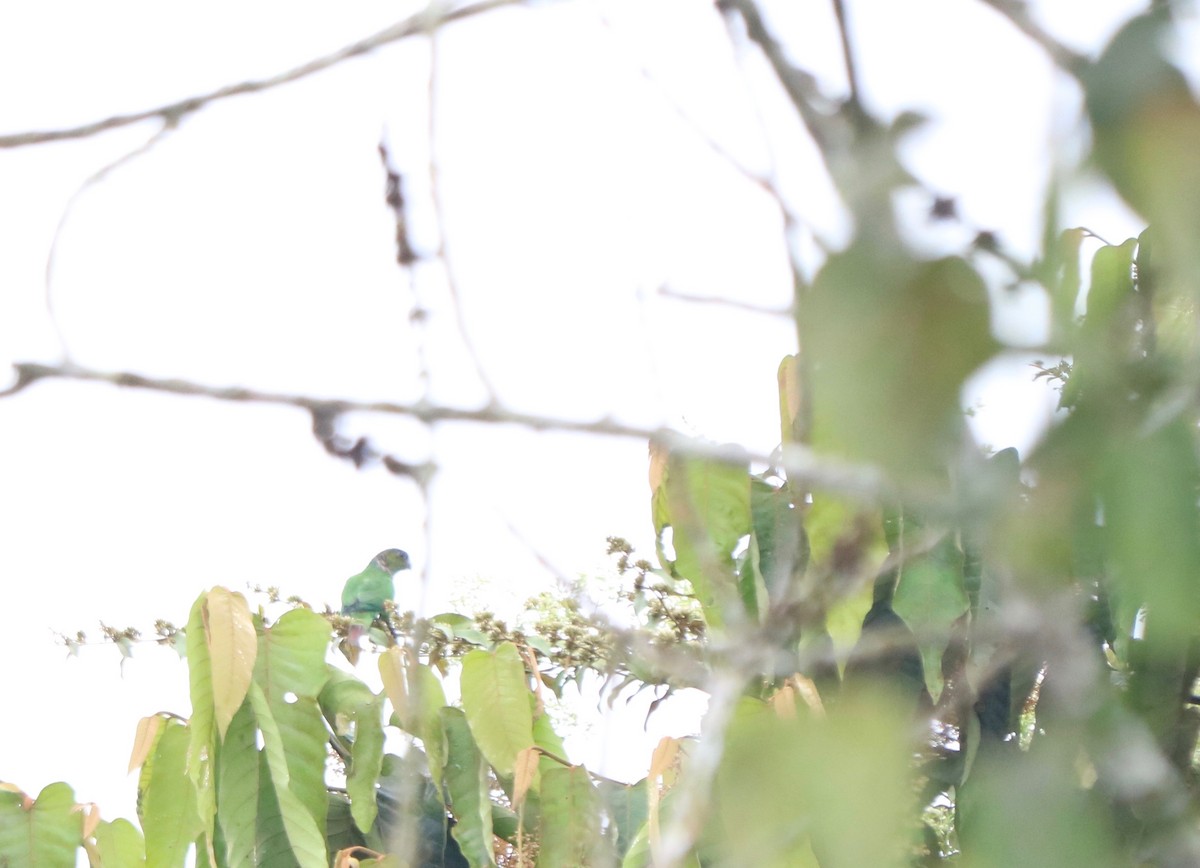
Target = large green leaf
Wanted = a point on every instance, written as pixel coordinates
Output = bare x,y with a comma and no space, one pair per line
202,724
891,343
1025,809
429,699
290,672
284,741
929,596
167,798
356,711
847,782
495,698
570,821
466,780
237,789
706,503
627,809
44,834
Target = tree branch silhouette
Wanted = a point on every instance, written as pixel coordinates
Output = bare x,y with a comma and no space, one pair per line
429,19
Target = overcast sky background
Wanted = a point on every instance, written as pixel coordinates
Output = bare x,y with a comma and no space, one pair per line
253,247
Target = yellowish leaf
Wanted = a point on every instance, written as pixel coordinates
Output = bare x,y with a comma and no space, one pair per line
143,740
531,662
524,774
391,670
658,464
662,764
91,817
232,647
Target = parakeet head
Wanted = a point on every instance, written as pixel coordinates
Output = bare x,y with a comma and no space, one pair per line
393,560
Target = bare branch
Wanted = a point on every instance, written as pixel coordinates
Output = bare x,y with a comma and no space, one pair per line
423,22
1017,12
827,128
857,481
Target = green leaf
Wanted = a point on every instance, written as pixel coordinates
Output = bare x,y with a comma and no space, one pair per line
892,342
429,698
351,706
290,672
237,789
570,821
467,782
44,834
706,503
167,805
779,535
627,808
203,742
1058,823
283,742
929,597
119,844
232,646
847,782
495,698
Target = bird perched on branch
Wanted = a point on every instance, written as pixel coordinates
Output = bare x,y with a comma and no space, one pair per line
365,593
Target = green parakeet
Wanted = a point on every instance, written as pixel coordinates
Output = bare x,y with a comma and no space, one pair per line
365,593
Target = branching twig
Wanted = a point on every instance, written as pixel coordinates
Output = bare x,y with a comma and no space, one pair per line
414,25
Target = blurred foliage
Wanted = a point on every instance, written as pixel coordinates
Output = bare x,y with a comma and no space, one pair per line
985,660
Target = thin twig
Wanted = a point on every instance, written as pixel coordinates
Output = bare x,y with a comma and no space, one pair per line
667,292
1017,12
439,210
415,25
855,100
92,180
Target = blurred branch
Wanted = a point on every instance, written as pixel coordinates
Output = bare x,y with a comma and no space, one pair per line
827,128
1017,12
92,180
422,22
855,101
861,482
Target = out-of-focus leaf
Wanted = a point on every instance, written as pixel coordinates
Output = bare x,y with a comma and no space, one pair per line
848,783
891,344
1022,809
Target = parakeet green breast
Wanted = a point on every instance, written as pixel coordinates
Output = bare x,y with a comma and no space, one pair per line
366,592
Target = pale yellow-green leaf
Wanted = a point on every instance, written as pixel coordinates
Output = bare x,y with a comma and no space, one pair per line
232,647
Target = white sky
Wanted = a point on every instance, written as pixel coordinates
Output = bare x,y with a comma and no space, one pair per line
253,247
